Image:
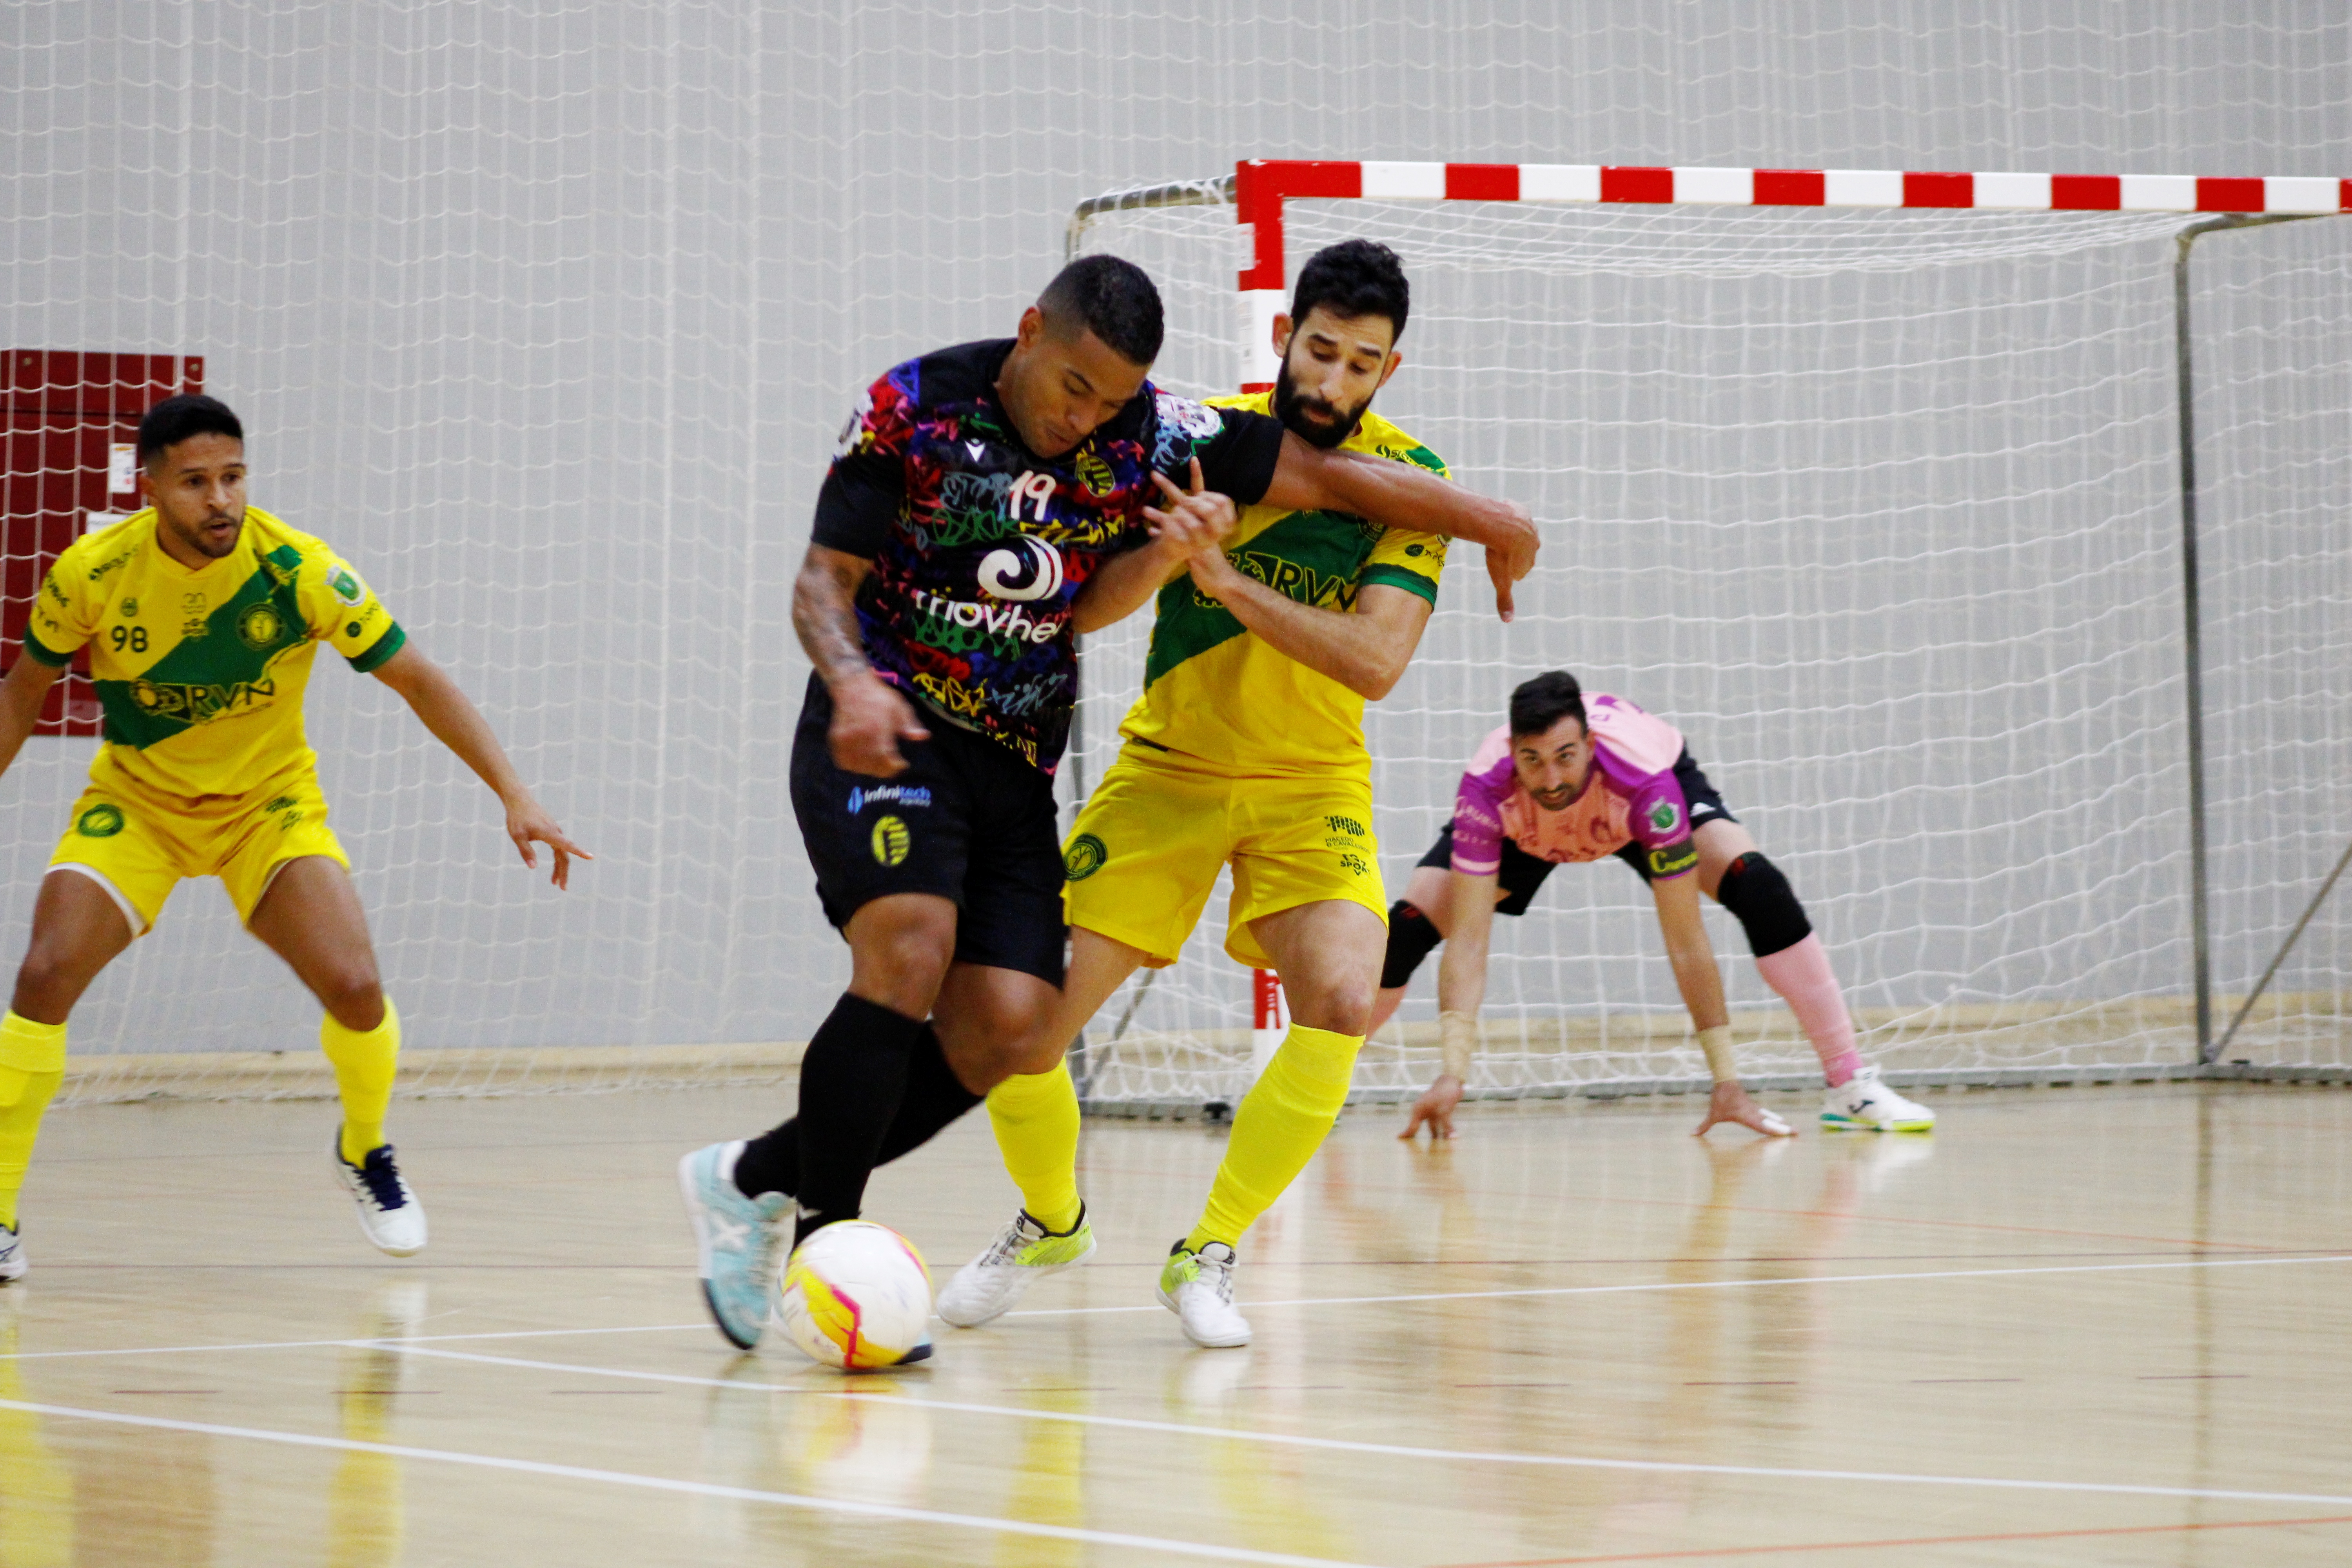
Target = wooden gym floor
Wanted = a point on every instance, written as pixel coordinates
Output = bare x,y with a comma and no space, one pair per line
2075,1326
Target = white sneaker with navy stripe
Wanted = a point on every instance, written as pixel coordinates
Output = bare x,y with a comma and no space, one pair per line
390,1217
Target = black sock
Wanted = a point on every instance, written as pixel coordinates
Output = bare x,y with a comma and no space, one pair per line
933,1098
852,1080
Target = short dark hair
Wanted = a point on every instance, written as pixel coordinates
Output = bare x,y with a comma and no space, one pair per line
1537,705
176,419
1354,278
1116,299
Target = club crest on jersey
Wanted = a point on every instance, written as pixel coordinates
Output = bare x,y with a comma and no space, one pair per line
1031,570
261,627
346,585
1096,475
1664,816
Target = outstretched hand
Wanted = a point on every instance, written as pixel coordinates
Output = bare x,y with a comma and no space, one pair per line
1731,1104
1435,1107
528,823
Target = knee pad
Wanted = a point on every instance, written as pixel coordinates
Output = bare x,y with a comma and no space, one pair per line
1410,939
1760,899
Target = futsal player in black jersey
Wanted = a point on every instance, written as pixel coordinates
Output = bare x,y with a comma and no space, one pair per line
986,503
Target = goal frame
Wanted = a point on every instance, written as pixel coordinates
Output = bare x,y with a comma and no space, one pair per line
1259,188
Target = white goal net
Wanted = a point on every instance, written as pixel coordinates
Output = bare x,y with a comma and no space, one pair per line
1884,511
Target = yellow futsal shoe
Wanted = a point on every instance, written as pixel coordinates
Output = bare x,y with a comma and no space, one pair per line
1198,1287
1864,1102
1023,1253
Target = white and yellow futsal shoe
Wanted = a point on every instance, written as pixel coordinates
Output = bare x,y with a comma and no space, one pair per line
390,1217
1023,1253
12,1255
1198,1287
1862,1102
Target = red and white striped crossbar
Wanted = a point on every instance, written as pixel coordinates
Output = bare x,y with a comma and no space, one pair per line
1261,186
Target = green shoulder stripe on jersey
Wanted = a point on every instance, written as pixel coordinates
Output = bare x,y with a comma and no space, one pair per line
380,651
1313,557
1393,576
40,652
225,669
1415,453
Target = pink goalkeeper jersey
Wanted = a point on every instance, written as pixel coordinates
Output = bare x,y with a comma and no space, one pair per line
1630,797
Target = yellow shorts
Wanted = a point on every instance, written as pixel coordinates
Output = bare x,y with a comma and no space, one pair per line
1143,859
138,845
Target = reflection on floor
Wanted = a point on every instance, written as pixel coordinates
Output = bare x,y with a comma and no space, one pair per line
2073,1326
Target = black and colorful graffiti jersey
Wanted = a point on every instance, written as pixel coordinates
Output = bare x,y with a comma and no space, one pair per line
980,546
200,674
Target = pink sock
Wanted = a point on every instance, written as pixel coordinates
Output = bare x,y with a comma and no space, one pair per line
1803,977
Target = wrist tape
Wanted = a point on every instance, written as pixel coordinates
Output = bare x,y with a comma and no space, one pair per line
1716,1044
1457,1042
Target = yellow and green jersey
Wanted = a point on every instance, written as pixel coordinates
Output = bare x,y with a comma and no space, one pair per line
200,673
1213,692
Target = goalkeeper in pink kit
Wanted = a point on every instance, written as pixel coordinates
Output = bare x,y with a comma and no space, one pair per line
1574,777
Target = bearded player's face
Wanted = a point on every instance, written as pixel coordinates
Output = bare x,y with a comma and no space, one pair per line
1552,767
197,487
1332,366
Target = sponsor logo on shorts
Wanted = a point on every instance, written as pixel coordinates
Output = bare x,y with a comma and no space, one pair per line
290,807
1664,817
907,795
101,821
891,841
1674,860
260,626
1344,825
1356,864
1702,808
346,585
1084,858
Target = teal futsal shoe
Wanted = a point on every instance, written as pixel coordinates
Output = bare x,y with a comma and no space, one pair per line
736,1239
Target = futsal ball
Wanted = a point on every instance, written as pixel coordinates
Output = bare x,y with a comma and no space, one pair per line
855,1296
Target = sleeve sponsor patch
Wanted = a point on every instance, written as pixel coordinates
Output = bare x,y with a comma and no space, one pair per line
1672,860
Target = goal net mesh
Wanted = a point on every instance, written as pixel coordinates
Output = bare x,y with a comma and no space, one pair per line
1883,511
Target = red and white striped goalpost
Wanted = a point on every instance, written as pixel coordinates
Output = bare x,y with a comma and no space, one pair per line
1259,188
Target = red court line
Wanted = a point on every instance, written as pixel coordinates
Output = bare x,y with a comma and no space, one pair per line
1698,1552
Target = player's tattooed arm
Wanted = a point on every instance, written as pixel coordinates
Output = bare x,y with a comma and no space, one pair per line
457,724
869,718
1194,525
21,696
1400,495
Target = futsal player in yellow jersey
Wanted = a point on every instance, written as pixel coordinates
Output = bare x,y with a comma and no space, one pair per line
1246,748
203,615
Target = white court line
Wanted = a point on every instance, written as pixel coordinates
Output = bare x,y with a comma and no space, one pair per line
1713,1284
1256,1306
346,1344
1397,1450
693,1488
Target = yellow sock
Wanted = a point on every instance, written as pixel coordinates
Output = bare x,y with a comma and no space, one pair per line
1282,1122
364,1060
32,1065
1036,1120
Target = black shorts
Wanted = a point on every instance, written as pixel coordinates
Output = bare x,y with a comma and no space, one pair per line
1523,873
969,821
